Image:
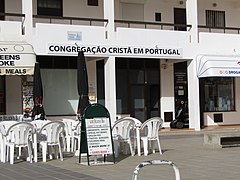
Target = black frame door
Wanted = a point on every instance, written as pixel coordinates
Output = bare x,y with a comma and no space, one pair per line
180,18
2,96
2,9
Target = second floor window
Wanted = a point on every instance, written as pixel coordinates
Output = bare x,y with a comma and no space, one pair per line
50,8
215,18
92,2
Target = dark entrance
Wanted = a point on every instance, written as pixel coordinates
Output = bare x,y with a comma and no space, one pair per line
2,9
2,96
180,19
138,88
180,84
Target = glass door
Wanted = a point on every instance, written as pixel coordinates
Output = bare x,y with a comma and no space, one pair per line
2,95
138,102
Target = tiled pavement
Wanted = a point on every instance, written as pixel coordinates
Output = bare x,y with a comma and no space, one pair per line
186,150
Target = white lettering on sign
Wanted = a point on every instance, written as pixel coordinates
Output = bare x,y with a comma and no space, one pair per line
115,50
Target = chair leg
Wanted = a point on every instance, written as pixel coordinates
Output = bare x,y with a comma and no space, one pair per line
44,151
68,143
64,142
145,146
72,144
3,152
159,146
60,152
131,148
30,153
19,152
11,153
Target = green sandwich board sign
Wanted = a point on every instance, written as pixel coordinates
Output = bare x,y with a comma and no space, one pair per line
96,132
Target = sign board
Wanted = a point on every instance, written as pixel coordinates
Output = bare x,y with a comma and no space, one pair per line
96,136
17,117
16,59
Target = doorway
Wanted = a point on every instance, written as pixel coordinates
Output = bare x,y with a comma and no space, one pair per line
180,19
2,9
2,96
138,87
144,101
180,85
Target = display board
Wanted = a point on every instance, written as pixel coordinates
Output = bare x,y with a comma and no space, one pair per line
96,136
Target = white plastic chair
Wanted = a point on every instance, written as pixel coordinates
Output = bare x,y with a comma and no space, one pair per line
19,135
121,134
151,128
136,133
70,126
4,126
38,124
52,132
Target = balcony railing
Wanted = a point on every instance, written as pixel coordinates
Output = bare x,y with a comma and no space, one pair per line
152,25
228,30
13,17
69,20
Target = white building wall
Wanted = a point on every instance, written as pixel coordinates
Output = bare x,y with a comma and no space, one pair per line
167,89
205,43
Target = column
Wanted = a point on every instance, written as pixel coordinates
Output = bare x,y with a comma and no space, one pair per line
193,96
110,87
192,18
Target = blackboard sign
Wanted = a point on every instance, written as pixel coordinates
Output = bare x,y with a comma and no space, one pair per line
96,136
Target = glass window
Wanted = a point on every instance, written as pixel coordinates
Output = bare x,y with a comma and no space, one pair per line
158,17
49,8
57,62
215,18
92,2
218,94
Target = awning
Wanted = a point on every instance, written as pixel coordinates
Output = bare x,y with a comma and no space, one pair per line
16,58
218,66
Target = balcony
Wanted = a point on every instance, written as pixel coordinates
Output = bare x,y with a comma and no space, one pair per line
12,26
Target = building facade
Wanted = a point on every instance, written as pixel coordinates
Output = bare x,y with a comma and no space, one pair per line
143,56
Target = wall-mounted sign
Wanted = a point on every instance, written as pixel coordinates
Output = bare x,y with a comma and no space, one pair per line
218,66
112,50
74,36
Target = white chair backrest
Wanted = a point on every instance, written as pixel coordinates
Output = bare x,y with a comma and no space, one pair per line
153,125
20,133
52,130
38,124
70,125
122,128
5,125
136,121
